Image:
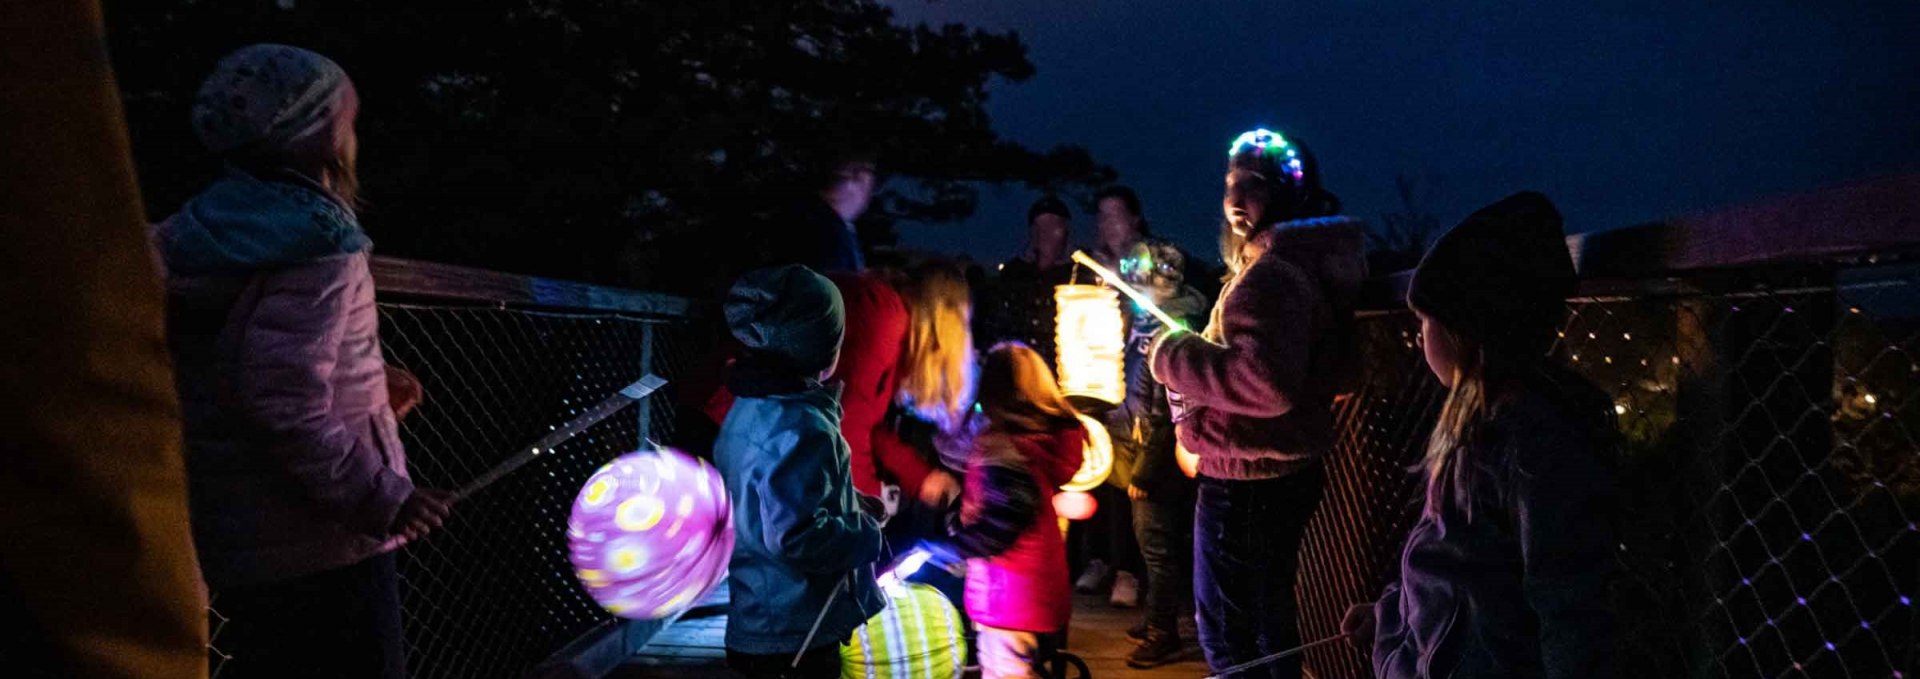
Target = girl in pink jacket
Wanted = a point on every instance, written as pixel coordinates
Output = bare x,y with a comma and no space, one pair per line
299,487
1017,590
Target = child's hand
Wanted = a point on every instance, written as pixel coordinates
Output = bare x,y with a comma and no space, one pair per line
1358,626
403,391
1135,494
938,489
425,510
873,507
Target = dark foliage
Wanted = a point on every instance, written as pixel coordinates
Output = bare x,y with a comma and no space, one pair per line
624,141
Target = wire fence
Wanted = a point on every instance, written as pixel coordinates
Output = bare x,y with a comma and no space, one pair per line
1771,476
1771,473
492,594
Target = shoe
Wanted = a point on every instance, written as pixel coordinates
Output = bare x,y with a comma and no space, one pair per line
1126,591
1138,633
1160,648
1092,579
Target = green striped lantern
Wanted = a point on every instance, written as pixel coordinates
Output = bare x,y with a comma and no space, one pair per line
918,636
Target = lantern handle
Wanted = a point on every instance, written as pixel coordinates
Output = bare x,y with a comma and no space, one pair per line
640,389
842,584
1080,257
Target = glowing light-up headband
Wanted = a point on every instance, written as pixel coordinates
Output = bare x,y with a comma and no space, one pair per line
1273,145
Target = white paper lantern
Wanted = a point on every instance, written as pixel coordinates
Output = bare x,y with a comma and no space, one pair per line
1090,337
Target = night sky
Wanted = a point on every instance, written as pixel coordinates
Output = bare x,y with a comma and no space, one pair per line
1622,115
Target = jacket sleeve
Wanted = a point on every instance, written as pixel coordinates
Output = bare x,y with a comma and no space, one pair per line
869,365
798,516
1156,467
284,382
1562,503
900,460
1260,369
1009,508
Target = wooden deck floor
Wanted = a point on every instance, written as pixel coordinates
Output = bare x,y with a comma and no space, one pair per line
693,647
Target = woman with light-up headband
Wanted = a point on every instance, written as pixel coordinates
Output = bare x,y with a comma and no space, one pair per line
1253,393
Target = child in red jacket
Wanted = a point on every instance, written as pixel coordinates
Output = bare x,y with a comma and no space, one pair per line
1017,589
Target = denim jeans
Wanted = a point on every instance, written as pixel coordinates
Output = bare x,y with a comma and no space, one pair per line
1246,555
1164,526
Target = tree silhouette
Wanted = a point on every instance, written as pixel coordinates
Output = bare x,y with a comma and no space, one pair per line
1402,236
628,141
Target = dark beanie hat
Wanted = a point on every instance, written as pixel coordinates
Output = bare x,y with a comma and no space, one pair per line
1048,205
789,312
1502,277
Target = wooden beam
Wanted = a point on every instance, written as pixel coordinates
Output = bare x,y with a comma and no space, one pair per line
412,278
1877,217
1863,219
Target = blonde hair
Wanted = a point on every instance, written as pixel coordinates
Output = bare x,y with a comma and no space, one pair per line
937,368
1450,478
1018,392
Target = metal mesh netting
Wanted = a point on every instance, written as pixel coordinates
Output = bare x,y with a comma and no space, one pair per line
1771,480
491,594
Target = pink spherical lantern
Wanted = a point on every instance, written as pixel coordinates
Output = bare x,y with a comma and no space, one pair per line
651,533
1074,505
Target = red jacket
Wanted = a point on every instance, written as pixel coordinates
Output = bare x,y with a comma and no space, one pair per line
1017,573
870,369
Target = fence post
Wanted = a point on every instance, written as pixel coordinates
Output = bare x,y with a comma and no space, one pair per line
644,409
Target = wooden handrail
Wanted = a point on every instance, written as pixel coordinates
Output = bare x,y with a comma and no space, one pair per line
413,278
1878,217
1863,219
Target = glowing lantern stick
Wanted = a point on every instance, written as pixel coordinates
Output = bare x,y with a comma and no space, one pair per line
640,389
1114,280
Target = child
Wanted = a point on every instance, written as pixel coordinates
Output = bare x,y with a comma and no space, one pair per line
299,484
1255,395
1507,572
1142,429
802,572
1017,588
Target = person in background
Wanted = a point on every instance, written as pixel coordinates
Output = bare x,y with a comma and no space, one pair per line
1019,302
97,576
299,483
1106,541
1120,225
818,230
805,542
1016,589
1253,394
908,354
1142,431
1508,571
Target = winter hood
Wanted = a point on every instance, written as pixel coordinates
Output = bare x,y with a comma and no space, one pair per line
1332,249
244,223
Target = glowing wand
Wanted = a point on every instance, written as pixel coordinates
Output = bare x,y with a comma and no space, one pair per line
1113,279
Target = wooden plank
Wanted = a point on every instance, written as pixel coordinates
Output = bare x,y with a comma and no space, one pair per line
393,276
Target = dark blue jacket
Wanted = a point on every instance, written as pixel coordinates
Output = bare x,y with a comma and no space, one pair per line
1521,589
811,234
1142,425
801,541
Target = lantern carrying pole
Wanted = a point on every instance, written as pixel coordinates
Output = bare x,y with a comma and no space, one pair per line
1113,279
1297,650
640,389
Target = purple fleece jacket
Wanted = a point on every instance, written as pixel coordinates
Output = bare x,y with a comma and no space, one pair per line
1256,388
